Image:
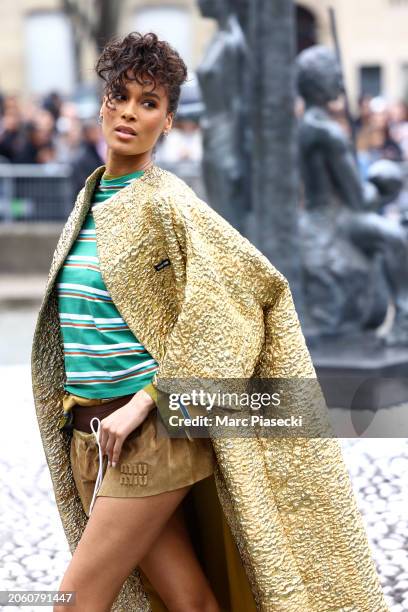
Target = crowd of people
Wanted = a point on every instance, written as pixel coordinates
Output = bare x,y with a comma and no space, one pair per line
51,129
380,129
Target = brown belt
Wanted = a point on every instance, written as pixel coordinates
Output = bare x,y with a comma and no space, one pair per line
82,415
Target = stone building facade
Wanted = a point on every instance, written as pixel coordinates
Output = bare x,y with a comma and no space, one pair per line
39,48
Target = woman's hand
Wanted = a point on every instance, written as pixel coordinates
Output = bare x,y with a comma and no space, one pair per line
116,427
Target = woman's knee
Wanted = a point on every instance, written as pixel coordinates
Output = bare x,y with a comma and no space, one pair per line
89,592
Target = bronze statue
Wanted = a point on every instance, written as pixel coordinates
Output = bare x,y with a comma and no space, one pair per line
353,258
225,124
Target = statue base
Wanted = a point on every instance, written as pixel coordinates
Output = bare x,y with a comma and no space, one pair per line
359,372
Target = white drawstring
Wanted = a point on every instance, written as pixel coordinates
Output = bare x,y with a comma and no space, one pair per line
98,482
99,477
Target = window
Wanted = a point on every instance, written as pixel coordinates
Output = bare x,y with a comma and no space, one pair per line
370,80
49,52
169,23
306,28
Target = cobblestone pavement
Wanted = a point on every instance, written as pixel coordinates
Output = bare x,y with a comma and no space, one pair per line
33,549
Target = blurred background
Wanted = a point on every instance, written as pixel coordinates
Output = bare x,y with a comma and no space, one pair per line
49,93
50,141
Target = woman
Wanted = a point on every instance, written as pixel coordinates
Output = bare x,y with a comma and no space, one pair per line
239,523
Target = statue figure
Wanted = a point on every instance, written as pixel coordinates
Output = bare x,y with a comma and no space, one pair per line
354,259
225,124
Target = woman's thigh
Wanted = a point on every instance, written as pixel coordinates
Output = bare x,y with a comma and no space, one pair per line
174,571
118,535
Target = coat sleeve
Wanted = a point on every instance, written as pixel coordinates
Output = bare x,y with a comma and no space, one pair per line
284,353
219,331
286,362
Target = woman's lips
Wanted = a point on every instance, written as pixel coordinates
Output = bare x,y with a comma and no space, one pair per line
124,135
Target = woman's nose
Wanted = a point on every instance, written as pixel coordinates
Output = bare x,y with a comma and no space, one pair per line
129,111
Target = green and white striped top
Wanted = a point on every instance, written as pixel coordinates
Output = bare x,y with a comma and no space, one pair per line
103,358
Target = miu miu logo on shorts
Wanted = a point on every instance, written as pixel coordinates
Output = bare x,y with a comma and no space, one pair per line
133,474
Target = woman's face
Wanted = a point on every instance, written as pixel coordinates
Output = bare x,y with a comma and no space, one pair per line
139,109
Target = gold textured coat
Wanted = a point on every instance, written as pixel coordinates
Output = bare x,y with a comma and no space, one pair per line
221,310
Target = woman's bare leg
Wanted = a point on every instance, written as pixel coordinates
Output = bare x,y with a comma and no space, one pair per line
173,569
119,534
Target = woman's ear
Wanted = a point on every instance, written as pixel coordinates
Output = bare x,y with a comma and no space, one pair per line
169,121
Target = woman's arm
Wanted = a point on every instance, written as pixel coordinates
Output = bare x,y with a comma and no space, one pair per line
225,283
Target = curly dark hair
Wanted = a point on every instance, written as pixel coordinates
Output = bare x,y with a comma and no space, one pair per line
137,55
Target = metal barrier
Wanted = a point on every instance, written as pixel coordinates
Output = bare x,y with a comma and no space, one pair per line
44,192
35,192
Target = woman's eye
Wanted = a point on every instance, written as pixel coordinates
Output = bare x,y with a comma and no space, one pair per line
118,95
153,104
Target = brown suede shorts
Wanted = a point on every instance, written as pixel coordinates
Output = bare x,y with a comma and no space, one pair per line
150,462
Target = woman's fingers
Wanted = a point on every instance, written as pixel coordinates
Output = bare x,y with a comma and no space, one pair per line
116,427
111,445
103,438
116,451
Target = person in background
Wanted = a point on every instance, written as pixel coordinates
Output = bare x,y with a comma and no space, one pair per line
88,157
10,136
364,111
53,103
398,121
35,137
374,139
184,143
46,154
69,131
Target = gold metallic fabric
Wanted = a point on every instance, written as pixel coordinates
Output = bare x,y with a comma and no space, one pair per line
219,310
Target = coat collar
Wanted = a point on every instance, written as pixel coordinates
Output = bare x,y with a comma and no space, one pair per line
151,175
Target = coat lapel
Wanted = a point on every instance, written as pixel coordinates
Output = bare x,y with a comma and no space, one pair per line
76,218
122,208
140,273
71,229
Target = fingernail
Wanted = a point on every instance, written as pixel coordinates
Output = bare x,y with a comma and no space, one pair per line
113,463
109,463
